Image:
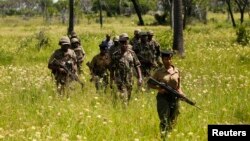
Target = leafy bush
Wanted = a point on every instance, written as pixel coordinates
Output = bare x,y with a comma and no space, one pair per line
5,57
160,17
40,39
243,35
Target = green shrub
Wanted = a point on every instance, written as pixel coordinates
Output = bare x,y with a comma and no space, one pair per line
5,57
243,35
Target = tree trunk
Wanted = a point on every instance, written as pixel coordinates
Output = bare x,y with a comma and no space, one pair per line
100,16
231,13
71,16
120,7
178,28
185,14
241,5
172,14
241,16
138,11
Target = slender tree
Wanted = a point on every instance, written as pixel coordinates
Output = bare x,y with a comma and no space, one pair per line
242,4
138,11
71,16
230,12
178,28
100,9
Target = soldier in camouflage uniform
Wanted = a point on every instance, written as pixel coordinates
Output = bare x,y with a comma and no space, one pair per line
135,41
74,35
115,46
167,104
122,63
80,53
156,48
63,57
145,55
99,67
125,35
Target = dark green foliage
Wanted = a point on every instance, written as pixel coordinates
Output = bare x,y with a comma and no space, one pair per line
112,6
160,17
42,40
165,39
38,40
6,57
25,43
243,35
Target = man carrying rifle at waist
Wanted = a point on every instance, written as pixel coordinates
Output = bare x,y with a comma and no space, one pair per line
167,104
63,63
99,68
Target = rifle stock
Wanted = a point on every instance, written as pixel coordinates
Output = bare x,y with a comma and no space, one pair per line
172,91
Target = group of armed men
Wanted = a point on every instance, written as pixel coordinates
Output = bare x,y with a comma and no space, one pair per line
119,61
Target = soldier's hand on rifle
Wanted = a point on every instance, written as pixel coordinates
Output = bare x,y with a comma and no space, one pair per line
139,81
160,90
61,70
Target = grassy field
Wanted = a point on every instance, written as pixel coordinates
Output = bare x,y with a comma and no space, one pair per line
215,73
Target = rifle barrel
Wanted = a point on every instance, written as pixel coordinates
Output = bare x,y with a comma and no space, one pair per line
173,91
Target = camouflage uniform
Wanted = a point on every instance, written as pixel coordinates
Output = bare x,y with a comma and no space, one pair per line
79,51
122,65
167,104
74,35
65,57
115,46
99,68
135,41
156,48
145,56
125,35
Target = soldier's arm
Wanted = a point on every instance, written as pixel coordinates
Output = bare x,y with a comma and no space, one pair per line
73,55
112,74
139,75
83,53
51,64
108,62
156,77
179,85
92,65
137,65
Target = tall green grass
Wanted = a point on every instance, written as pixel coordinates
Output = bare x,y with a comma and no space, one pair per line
215,73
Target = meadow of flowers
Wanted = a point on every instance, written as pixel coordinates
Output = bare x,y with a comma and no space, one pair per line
215,73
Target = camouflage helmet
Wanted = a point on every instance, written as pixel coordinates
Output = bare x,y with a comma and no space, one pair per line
64,40
137,31
150,32
73,34
116,38
74,40
123,37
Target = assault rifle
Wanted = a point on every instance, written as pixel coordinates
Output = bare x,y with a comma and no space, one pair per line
72,75
172,91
